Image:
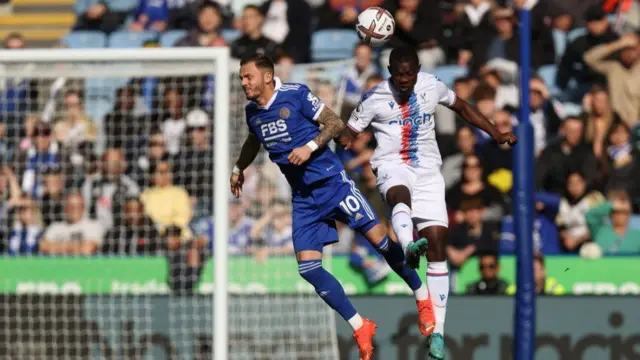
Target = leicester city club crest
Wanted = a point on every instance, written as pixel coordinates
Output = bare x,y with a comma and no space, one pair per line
285,113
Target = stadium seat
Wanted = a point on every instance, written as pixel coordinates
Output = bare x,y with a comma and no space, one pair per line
169,38
571,109
448,73
634,222
230,35
548,75
576,33
329,45
121,5
85,40
559,43
128,39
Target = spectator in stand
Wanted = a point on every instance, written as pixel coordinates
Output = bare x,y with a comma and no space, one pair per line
342,14
472,185
26,229
194,165
418,26
372,81
623,162
172,118
184,13
575,203
106,191
19,95
545,285
77,235
484,97
135,234
356,77
500,75
464,87
600,116
272,232
452,165
43,153
569,152
207,31
542,116
252,39
167,204
120,124
95,15
614,236
240,225
472,235
496,158
490,283
572,65
622,76
52,202
10,196
474,33
545,234
75,129
185,261
156,151
287,24
150,15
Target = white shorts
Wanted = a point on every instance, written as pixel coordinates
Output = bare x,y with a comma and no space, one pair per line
428,207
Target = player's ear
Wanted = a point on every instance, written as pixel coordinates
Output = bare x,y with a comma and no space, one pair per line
268,76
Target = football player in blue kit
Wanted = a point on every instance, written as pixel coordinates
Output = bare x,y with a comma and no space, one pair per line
286,119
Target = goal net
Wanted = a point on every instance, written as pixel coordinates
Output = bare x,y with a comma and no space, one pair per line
111,197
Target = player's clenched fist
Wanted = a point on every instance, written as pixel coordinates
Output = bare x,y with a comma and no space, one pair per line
300,155
237,180
506,138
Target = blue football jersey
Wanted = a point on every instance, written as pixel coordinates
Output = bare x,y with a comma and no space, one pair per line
288,121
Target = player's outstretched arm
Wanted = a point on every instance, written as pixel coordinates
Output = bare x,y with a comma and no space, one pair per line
333,125
471,115
249,151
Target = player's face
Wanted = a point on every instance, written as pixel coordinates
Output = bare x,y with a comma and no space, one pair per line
404,75
253,80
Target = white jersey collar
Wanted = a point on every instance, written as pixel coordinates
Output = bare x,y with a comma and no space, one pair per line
275,93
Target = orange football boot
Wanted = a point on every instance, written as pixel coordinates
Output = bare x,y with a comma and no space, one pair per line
364,336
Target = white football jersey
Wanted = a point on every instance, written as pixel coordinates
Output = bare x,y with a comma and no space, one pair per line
405,131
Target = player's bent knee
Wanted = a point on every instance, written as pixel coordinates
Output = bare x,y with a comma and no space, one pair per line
306,255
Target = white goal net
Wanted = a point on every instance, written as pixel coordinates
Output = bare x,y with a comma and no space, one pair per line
113,186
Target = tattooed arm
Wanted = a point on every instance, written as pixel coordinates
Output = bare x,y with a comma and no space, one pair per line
333,126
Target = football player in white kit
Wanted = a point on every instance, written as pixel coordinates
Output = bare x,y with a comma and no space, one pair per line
407,164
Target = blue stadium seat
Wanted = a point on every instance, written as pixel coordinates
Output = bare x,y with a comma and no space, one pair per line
571,109
169,38
576,33
559,43
448,73
128,39
634,222
329,45
85,40
548,75
230,35
121,5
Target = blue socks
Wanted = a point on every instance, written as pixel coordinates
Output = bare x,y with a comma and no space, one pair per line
392,252
327,287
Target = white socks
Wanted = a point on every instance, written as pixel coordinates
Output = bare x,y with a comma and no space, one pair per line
438,284
402,225
356,322
421,293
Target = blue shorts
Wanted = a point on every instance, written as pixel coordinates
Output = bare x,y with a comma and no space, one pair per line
316,210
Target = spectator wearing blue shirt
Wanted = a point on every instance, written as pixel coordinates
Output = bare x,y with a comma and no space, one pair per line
151,15
26,229
357,75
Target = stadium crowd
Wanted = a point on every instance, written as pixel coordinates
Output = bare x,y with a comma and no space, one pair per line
149,191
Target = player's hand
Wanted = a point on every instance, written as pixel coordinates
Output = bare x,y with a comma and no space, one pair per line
506,138
300,155
237,180
345,141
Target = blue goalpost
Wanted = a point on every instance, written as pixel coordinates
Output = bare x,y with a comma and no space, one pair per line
523,207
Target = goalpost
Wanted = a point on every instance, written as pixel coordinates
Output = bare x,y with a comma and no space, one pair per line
159,289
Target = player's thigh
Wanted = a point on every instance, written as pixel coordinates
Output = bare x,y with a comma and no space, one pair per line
429,207
393,176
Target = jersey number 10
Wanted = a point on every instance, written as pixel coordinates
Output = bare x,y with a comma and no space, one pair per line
350,205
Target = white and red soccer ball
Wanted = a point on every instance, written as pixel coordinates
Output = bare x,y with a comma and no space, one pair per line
375,26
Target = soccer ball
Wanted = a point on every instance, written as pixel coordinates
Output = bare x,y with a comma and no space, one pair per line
375,26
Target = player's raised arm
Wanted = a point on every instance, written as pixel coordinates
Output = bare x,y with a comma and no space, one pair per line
249,151
471,115
360,118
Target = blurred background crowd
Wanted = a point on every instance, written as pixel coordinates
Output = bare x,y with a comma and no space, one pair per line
133,174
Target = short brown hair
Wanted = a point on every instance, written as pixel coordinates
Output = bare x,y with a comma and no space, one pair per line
263,62
472,203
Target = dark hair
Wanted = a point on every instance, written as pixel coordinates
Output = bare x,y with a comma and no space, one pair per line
252,7
209,5
484,92
463,127
490,253
615,125
77,92
461,79
154,164
403,54
375,77
263,62
471,203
